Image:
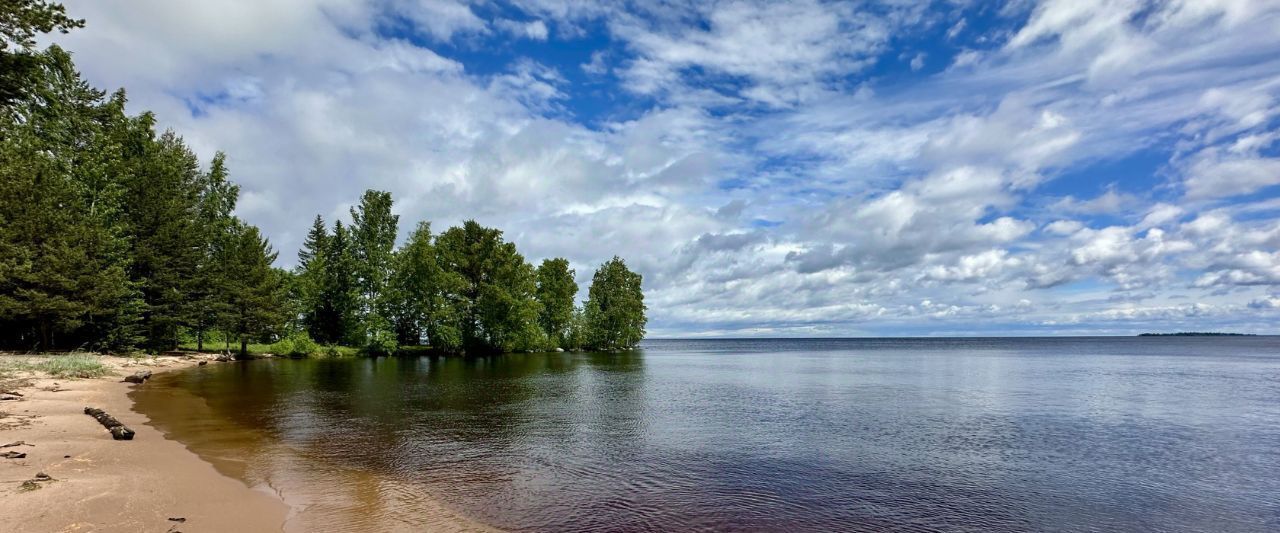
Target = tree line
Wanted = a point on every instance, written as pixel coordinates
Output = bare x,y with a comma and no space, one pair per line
463,290
113,237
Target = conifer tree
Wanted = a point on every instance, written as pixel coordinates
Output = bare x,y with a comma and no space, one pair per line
162,201
110,235
340,290
214,226
62,247
315,309
255,290
20,22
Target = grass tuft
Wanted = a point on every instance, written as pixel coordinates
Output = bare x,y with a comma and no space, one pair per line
75,365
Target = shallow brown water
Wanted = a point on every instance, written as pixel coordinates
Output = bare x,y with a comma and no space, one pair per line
324,494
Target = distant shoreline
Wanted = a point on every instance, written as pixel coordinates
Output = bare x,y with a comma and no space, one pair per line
960,337
1197,334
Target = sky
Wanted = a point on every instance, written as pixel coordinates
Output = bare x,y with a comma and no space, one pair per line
777,169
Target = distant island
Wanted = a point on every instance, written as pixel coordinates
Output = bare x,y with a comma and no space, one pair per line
1197,334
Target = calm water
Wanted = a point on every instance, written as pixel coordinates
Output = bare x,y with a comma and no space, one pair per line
1105,434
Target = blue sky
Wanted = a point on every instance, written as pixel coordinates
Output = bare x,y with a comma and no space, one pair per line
772,168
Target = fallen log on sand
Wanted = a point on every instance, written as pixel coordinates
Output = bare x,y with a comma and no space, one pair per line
118,431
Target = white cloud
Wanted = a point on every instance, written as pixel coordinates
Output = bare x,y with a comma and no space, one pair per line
764,182
788,51
536,29
917,62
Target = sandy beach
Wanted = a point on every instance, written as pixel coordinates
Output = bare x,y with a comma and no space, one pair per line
96,483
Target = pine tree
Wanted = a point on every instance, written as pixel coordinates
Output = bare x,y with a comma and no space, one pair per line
162,202
110,235
311,273
340,291
62,246
255,290
215,226
20,22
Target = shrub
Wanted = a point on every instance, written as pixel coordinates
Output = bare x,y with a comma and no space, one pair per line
381,342
297,344
334,351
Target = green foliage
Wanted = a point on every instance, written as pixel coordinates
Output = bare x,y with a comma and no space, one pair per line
327,285
161,204
415,303
296,344
113,236
254,290
215,227
373,240
576,332
341,291
466,290
488,291
556,292
334,350
63,243
614,313
20,22
311,277
381,340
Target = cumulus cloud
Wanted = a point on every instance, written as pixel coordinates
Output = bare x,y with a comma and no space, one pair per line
763,164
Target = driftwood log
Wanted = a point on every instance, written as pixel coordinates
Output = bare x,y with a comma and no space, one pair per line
118,431
139,376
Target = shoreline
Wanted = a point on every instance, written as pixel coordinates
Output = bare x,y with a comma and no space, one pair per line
322,494
100,484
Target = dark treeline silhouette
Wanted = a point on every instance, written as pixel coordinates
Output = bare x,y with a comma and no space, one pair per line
113,237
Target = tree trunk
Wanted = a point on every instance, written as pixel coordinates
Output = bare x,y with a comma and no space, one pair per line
244,347
45,341
200,341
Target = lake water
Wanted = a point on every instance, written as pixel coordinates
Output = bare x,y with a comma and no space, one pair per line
1060,434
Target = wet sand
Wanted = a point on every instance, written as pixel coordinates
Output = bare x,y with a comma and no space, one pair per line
100,484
